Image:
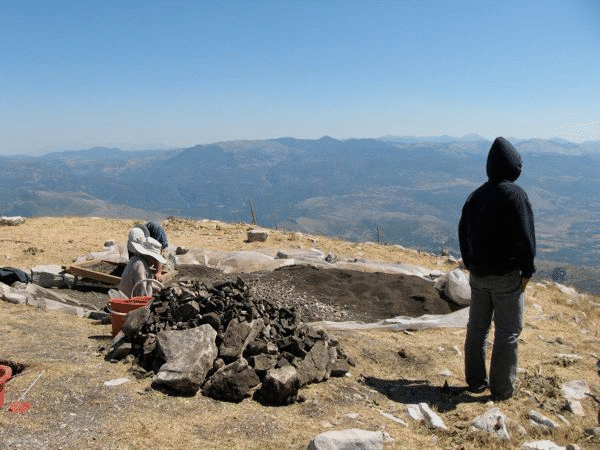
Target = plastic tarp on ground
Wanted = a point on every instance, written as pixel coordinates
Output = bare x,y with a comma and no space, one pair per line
457,319
271,259
404,269
234,262
115,253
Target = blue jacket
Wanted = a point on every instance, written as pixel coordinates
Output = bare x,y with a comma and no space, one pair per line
157,232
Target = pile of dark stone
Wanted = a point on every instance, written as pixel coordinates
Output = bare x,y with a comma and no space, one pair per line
224,339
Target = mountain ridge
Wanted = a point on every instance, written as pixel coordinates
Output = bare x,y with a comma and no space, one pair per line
358,189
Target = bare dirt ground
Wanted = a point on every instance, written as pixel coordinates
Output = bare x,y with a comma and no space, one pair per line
71,407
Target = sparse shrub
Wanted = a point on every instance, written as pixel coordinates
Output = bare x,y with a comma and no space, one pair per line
33,251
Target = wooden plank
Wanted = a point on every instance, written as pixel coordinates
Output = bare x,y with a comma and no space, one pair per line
93,275
80,270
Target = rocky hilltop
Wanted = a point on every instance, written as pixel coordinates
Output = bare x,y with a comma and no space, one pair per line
405,389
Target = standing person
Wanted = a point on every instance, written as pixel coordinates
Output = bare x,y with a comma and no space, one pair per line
497,243
145,258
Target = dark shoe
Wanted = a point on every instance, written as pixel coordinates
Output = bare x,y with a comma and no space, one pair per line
499,398
478,389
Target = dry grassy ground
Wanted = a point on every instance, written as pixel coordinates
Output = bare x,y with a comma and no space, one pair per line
72,408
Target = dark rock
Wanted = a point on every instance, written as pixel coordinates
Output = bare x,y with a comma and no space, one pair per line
262,363
98,315
240,323
140,373
256,348
187,311
161,309
237,336
312,332
340,367
287,356
219,363
119,351
134,321
293,345
280,386
189,356
149,344
282,362
231,383
316,366
213,319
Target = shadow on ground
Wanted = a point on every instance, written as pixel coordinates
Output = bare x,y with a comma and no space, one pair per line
442,398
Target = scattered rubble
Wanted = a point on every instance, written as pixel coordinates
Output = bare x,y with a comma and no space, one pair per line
46,299
227,341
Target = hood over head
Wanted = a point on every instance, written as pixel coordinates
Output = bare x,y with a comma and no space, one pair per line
504,162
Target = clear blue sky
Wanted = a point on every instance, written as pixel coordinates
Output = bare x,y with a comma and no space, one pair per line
141,74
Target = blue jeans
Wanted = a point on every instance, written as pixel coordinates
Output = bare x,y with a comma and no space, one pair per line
500,297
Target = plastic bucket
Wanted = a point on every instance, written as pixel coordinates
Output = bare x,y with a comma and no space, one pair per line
119,307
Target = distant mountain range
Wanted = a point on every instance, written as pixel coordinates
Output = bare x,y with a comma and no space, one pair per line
410,189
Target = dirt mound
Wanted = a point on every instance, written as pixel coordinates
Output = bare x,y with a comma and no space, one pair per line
336,294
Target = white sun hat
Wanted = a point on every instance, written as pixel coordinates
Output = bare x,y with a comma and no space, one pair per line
139,244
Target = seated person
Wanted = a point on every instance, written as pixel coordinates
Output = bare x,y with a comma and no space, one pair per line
145,259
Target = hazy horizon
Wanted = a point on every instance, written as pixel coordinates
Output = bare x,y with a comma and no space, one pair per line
68,148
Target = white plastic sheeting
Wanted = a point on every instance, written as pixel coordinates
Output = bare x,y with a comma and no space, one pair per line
115,253
374,266
456,319
271,259
233,262
455,285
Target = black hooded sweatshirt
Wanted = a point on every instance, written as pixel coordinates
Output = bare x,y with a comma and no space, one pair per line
496,230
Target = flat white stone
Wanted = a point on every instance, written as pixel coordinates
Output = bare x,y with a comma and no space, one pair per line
431,418
576,389
393,418
414,412
353,439
541,445
116,382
